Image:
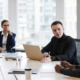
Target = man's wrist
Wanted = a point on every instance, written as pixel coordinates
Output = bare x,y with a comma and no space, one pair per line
54,58
73,66
50,57
61,70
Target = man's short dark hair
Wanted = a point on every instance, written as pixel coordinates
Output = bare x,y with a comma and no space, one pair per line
56,22
4,22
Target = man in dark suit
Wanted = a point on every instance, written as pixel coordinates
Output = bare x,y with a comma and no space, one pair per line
61,47
7,38
68,69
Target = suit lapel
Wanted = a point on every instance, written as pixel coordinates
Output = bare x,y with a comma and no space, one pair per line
1,38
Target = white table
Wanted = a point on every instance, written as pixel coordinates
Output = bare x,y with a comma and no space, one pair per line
46,70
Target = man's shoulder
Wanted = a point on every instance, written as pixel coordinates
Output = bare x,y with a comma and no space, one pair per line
53,38
0,32
13,33
69,39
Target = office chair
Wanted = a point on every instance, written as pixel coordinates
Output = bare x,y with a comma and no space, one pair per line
78,49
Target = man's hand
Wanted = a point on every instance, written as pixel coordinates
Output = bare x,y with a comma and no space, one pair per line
65,64
45,55
57,68
0,49
9,32
46,60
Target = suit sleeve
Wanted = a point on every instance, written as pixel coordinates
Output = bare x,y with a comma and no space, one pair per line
78,67
70,49
70,72
12,41
47,47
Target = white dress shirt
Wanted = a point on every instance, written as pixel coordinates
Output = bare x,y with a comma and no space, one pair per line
4,42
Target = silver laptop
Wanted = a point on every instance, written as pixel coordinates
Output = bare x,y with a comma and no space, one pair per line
33,52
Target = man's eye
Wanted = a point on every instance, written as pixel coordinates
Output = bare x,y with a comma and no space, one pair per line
54,30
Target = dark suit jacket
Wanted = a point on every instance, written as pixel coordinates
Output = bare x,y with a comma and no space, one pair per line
10,41
71,72
67,49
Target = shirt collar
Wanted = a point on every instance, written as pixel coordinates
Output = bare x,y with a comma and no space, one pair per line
4,34
62,38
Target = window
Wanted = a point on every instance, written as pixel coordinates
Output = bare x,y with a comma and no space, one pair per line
43,28
40,9
54,9
53,0
47,38
41,19
46,0
30,28
71,11
41,1
49,19
70,18
3,10
46,18
33,28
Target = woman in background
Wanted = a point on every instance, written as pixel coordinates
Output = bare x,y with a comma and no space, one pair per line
7,38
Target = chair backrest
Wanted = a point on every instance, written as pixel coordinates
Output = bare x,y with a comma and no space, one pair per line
78,49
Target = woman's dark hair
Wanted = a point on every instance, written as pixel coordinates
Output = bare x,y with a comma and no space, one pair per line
4,22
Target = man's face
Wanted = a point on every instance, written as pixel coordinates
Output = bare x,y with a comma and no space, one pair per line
5,26
57,30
